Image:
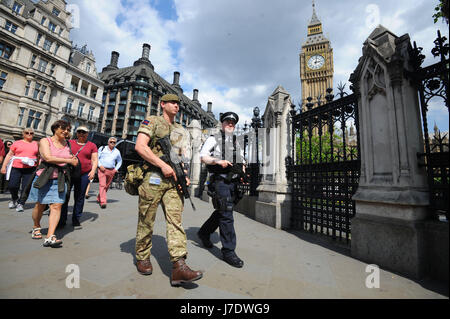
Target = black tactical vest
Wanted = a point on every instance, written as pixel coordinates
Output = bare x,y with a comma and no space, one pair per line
216,168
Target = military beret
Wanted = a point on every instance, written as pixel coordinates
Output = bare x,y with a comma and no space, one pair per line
229,116
170,97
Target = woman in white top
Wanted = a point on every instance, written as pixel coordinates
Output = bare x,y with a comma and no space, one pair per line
19,165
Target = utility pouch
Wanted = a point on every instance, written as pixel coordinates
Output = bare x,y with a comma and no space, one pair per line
215,202
228,204
214,196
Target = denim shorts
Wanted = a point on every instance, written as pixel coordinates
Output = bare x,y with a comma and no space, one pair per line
48,194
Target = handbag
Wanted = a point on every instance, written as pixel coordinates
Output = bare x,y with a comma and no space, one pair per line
75,171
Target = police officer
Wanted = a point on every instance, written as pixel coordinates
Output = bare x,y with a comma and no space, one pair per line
220,152
157,187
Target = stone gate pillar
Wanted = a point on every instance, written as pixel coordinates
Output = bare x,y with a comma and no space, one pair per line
195,130
392,196
273,206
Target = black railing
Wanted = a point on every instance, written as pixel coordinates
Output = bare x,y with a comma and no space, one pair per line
324,166
250,136
433,82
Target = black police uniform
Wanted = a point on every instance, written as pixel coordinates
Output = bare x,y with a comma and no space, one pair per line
223,190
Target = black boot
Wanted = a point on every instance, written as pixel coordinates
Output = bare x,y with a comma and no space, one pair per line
205,239
233,260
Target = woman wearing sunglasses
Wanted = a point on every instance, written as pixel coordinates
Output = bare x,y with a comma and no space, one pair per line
19,166
52,181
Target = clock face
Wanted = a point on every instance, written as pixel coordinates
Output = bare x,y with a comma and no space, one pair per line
316,62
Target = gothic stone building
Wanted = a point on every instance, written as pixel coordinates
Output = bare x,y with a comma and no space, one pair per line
83,90
133,93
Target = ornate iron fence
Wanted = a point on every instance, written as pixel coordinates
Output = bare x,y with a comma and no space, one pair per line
324,166
433,81
250,137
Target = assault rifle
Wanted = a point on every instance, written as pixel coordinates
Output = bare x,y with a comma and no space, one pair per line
166,148
234,173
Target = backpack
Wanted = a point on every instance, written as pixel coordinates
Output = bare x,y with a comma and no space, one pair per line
134,177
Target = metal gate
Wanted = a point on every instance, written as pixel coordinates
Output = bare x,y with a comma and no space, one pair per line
325,168
433,82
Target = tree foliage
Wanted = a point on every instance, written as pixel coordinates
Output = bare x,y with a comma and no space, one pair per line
315,149
441,11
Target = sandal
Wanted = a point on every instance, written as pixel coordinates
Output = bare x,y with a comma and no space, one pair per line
36,233
52,242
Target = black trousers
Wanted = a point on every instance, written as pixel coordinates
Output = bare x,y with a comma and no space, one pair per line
79,185
19,177
222,217
3,183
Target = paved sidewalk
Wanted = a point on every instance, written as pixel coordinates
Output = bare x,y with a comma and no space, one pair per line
278,264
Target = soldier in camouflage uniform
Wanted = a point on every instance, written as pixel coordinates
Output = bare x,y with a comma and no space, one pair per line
157,187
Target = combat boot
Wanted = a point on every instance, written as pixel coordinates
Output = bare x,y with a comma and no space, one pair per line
144,267
181,273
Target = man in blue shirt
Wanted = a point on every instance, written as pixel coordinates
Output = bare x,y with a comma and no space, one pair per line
109,162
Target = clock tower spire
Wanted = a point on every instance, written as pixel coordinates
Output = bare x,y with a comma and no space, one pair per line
316,63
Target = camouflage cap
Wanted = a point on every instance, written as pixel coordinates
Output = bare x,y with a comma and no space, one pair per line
170,97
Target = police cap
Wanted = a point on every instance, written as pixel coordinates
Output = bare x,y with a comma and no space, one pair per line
229,116
170,98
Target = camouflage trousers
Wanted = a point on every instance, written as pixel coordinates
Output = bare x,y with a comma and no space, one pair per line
150,195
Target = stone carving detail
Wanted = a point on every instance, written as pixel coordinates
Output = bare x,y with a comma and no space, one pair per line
269,120
375,79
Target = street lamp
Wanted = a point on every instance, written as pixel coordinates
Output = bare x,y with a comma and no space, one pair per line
289,160
254,168
309,105
256,124
245,138
329,97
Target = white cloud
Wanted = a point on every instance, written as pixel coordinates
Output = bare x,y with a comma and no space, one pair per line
236,52
124,29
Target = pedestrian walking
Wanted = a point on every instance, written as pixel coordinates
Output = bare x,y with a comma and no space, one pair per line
109,162
19,166
87,154
52,181
3,180
2,151
159,186
220,153
88,188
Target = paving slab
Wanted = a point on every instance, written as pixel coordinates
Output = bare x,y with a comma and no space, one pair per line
278,263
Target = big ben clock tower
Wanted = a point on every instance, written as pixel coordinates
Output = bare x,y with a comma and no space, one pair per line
316,63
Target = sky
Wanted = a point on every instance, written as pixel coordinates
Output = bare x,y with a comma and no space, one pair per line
236,52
